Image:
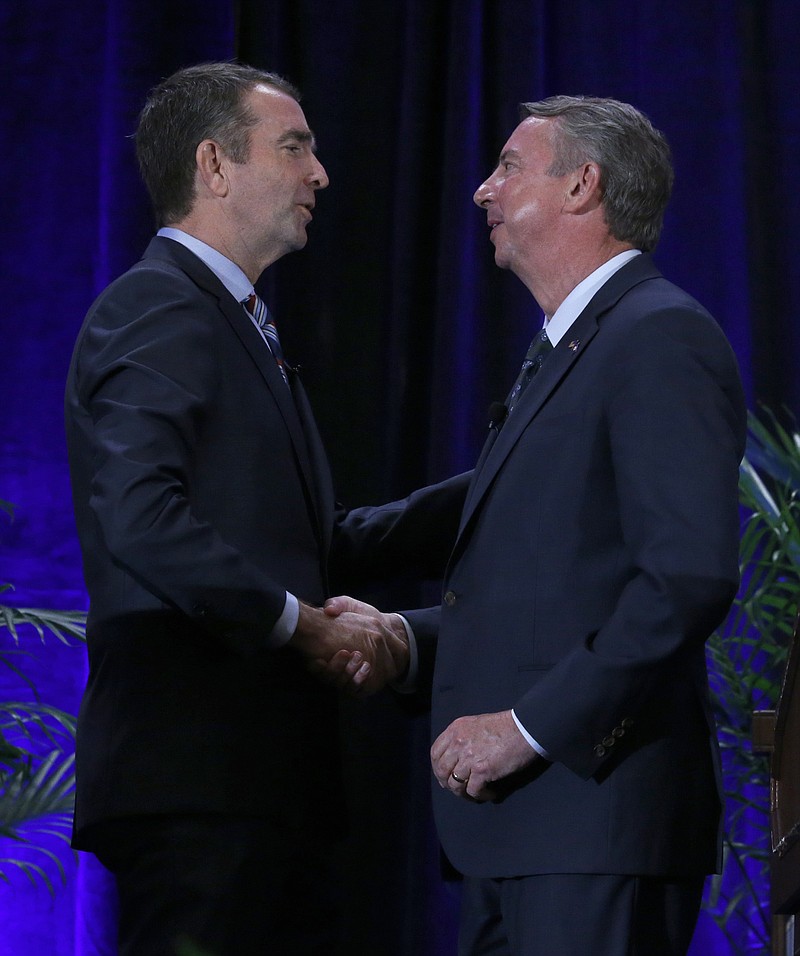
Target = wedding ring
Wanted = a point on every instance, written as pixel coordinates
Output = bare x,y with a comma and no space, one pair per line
458,779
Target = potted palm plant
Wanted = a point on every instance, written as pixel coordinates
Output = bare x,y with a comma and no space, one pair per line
747,658
36,747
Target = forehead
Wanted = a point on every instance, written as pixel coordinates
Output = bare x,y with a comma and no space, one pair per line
531,140
276,110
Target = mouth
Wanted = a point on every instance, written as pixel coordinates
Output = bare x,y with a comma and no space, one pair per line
493,223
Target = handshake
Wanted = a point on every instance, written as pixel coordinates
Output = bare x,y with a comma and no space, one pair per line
352,645
360,649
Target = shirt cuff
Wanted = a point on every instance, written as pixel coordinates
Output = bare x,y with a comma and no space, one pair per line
286,624
534,743
409,683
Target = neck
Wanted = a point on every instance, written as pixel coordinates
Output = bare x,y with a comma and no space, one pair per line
551,286
225,241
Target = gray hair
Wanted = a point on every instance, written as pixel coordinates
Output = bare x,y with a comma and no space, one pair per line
633,157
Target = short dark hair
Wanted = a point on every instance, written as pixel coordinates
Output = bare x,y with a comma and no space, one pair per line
206,101
633,156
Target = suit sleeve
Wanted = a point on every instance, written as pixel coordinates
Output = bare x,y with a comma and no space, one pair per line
411,538
675,423
424,623
146,375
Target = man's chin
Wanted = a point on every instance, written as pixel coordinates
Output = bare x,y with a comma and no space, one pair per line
501,259
297,242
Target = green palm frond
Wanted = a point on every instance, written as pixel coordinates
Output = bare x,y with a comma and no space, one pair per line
774,449
32,722
36,788
62,624
747,659
37,745
36,764
33,871
27,795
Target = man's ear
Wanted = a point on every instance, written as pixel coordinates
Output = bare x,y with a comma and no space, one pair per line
583,189
211,169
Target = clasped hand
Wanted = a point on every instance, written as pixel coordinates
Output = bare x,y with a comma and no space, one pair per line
352,645
474,752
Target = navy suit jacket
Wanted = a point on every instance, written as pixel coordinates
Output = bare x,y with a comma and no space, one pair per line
597,551
202,494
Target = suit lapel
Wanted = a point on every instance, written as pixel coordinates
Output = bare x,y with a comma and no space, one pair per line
551,376
258,350
552,373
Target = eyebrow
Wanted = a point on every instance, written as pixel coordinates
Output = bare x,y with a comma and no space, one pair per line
509,153
298,136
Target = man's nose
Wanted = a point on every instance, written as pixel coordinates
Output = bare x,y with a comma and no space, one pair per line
318,178
483,194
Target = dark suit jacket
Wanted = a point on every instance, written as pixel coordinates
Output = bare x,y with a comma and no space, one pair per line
202,493
597,551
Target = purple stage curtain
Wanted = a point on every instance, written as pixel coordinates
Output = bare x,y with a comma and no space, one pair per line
404,327
75,76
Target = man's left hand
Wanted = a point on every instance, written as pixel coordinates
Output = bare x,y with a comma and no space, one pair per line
475,751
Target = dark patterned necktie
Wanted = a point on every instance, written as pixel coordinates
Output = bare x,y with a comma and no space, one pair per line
541,347
256,307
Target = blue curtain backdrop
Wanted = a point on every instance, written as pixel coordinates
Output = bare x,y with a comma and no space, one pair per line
405,328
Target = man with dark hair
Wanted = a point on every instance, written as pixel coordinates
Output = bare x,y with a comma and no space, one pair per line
208,101
208,776
573,739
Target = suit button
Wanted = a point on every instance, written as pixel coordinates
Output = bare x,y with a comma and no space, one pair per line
628,722
618,732
600,750
450,598
609,741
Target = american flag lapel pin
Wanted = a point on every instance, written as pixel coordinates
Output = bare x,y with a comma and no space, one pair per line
574,345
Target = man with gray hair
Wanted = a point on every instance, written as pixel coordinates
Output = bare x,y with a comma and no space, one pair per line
598,551
573,741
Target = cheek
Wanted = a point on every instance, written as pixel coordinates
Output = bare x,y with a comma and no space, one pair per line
526,209
522,221
524,212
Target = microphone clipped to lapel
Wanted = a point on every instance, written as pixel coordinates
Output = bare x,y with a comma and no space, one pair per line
498,413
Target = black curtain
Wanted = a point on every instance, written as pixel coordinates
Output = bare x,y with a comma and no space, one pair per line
403,326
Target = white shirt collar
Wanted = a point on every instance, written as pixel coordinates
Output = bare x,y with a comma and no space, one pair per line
569,310
228,273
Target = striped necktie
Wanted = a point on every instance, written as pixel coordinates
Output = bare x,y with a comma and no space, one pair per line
540,348
256,307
